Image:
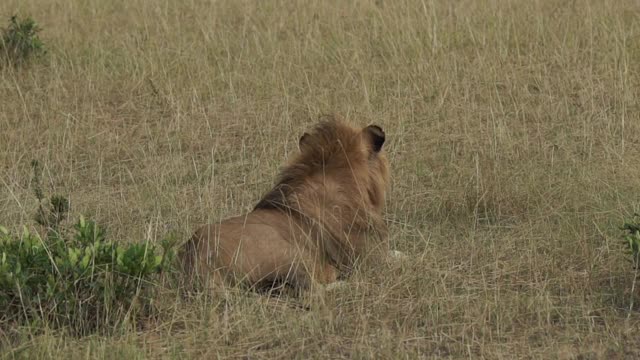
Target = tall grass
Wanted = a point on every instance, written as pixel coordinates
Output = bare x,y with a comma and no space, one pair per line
513,134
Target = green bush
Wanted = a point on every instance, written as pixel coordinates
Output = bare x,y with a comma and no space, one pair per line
20,41
632,239
83,281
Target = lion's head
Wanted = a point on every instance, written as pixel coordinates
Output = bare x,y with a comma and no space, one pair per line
337,182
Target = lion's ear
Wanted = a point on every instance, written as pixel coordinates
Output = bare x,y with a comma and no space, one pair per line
304,139
376,136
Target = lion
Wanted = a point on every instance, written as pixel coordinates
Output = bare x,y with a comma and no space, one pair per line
323,213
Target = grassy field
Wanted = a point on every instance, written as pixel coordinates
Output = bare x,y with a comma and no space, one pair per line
513,133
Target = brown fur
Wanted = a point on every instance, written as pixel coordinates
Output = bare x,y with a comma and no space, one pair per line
320,216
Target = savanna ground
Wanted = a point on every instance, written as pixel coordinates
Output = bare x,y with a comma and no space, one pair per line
513,133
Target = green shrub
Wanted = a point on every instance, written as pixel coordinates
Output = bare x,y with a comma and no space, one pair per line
20,41
84,281
632,239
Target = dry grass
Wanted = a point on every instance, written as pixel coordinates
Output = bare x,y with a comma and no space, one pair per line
513,132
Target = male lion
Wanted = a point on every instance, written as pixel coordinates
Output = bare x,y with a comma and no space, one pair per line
325,208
